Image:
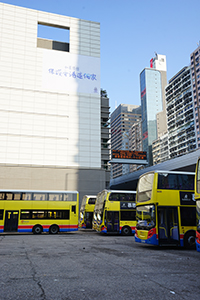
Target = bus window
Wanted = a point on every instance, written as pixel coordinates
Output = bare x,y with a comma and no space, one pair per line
167,181
128,215
186,182
188,216
2,196
26,196
17,196
25,214
39,196
9,196
145,186
92,201
69,197
198,177
55,197
1,214
37,214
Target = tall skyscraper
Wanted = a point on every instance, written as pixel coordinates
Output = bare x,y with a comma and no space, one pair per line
195,70
152,84
122,118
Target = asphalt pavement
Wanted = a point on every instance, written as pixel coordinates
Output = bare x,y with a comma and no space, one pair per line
88,265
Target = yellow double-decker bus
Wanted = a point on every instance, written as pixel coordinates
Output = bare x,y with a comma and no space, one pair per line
115,212
166,208
86,211
38,211
197,198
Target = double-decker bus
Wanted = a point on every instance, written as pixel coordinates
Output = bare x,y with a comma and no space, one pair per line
38,211
197,198
115,212
166,208
86,211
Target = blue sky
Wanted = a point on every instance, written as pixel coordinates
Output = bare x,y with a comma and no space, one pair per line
131,31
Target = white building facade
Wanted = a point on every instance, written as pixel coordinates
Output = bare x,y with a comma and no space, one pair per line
50,107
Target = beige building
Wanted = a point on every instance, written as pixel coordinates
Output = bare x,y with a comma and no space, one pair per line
50,105
135,141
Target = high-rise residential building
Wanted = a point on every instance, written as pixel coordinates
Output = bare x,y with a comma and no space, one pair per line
122,118
160,149
105,137
195,70
152,81
135,141
50,104
180,114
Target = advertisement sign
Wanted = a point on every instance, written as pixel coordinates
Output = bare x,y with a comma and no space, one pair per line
187,198
127,205
126,154
66,72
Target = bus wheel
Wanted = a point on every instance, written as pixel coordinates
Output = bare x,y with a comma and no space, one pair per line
37,229
126,230
189,240
53,229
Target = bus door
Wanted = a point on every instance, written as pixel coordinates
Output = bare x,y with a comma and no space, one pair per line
88,219
168,231
112,221
11,220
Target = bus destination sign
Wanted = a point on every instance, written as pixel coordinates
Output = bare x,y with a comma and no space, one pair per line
125,154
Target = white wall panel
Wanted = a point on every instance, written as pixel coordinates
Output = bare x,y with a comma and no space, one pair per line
44,127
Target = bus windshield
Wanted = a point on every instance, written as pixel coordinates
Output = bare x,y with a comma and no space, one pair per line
144,189
198,215
198,177
145,216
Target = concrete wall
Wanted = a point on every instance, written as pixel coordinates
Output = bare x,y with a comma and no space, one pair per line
84,181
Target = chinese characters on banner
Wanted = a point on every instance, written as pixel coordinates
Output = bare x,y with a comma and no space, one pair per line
66,72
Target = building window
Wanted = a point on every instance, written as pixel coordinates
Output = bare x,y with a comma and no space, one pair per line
53,37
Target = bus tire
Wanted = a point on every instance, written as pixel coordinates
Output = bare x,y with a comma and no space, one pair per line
126,230
53,229
189,239
37,229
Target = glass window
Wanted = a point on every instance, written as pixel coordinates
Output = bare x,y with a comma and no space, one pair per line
1,214
44,214
38,214
188,216
69,197
198,177
145,216
186,182
92,201
25,214
9,196
40,196
2,196
16,196
167,181
26,196
128,215
122,197
198,214
55,197
63,214
144,189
